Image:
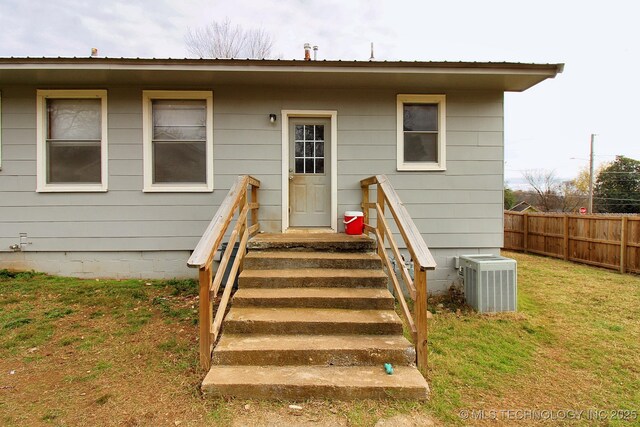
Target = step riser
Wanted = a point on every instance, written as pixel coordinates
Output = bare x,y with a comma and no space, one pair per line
337,357
329,246
315,302
312,282
304,392
308,328
283,263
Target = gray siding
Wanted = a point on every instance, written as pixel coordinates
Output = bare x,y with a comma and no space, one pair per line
455,209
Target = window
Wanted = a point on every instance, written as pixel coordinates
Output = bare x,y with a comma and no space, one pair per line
178,141
72,140
421,132
309,149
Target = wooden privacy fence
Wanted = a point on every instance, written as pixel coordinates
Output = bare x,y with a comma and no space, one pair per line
415,244
607,241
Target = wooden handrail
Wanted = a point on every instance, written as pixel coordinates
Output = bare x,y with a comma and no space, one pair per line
418,249
202,257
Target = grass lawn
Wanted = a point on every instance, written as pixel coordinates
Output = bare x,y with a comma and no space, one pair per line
107,352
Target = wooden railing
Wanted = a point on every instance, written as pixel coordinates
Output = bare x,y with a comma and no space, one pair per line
415,244
202,258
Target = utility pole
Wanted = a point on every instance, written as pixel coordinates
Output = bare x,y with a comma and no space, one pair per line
593,137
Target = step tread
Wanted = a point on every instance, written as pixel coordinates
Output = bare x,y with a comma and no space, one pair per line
312,241
268,342
300,382
330,293
315,272
311,254
311,315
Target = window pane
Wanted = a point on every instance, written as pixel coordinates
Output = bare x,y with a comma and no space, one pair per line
179,133
308,149
179,162
299,149
70,119
320,149
179,120
420,147
319,132
308,166
299,132
420,117
308,132
319,165
73,163
299,166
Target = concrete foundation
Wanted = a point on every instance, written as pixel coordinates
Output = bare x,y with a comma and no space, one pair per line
170,264
117,265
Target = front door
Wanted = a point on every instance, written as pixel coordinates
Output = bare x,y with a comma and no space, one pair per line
309,172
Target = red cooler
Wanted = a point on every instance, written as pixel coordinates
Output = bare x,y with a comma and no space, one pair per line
353,222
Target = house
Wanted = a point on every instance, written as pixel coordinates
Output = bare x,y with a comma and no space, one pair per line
523,207
113,167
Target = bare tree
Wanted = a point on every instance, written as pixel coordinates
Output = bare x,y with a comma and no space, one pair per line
546,187
225,40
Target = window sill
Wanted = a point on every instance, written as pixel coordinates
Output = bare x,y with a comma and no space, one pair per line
179,189
72,189
421,167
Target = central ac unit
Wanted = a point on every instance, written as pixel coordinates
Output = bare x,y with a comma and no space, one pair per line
490,282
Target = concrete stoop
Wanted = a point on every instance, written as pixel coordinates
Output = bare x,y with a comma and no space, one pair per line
313,319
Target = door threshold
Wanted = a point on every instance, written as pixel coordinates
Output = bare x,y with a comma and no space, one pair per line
310,230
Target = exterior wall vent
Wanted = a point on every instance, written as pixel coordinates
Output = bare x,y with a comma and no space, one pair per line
490,282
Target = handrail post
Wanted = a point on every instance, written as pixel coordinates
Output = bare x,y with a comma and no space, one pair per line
421,318
206,313
379,224
365,203
254,199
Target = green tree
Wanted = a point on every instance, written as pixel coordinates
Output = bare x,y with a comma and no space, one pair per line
509,198
617,187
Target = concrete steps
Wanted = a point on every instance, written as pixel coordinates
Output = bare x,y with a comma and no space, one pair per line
313,277
272,259
305,382
259,320
355,298
319,242
313,318
327,350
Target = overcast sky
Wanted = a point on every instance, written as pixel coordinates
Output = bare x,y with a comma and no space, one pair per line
545,127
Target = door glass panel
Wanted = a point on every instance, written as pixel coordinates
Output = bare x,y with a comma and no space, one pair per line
308,166
308,132
309,149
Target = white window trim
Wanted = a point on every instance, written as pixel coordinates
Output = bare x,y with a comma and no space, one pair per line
147,132
41,160
441,164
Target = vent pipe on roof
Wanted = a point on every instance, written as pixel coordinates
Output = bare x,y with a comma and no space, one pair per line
307,52
372,58
94,52
315,53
